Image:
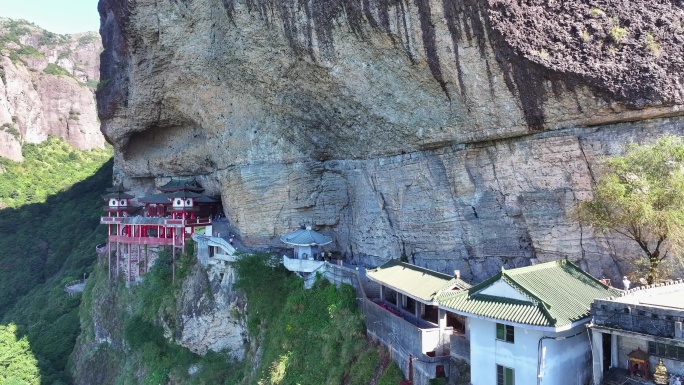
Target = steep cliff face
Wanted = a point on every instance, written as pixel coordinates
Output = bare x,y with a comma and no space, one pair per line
459,133
203,313
46,87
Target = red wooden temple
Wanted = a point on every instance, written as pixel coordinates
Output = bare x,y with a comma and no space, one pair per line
165,219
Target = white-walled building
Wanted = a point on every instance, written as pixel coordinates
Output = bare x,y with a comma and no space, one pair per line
528,325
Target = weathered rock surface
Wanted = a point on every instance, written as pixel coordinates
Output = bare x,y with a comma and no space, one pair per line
427,128
211,313
46,87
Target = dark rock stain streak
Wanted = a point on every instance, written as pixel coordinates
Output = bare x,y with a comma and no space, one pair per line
564,43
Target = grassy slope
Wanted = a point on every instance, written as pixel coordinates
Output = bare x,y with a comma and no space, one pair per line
312,337
49,229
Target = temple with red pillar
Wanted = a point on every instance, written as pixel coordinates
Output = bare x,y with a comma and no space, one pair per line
167,219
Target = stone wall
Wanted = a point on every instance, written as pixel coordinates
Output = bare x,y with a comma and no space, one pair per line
405,341
628,313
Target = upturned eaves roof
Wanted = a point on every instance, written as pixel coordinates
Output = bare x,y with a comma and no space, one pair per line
183,194
181,184
117,188
155,199
117,195
305,237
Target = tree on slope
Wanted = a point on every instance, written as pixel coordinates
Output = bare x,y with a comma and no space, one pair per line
641,196
17,364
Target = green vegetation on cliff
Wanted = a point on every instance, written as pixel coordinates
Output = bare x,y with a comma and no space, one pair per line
311,336
307,337
17,364
138,350
50,227
48,168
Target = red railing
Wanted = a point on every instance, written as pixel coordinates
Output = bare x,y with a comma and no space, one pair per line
166,221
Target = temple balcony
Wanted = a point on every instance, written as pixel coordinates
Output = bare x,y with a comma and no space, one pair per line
121,209
417,337
302,265
183,209
111,220
198,222
145,240
156,221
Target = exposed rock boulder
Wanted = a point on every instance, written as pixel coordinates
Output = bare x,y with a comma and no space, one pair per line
429,128
211,314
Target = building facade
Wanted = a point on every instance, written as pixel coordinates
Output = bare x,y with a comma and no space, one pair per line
528,325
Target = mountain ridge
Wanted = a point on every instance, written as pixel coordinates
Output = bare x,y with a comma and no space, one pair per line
46,87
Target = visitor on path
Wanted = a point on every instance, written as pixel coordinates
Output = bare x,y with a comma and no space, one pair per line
626,282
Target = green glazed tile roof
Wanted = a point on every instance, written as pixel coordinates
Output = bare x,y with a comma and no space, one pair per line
559,293
183,194
206,199
417,282
181,184
155,199
117,195
117,188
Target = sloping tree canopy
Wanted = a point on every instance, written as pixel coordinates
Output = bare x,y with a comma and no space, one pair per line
641,196
17,364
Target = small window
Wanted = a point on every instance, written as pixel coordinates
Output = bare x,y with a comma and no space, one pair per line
504,375
641,312
505,333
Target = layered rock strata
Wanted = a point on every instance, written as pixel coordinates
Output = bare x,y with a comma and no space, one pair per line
446,131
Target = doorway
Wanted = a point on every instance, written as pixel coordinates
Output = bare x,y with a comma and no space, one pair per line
607,353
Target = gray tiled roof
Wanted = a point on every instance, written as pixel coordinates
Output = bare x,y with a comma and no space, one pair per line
305,237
